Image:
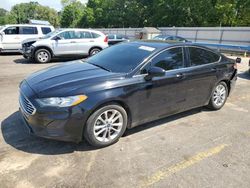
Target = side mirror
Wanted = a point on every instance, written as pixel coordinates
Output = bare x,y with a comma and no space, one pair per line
155,72
238,60
2,33
57,38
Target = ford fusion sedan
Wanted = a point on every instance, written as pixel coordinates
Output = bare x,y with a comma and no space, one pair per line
64,43
121,87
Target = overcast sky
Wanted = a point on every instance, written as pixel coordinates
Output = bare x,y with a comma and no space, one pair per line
56,4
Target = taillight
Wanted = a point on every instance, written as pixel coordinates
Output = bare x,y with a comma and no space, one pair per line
106,39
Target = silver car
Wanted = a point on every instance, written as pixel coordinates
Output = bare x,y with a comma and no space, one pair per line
64,43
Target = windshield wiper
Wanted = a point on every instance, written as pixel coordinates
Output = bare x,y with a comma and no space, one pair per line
100,67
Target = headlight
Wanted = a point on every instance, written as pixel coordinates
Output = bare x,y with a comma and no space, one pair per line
62,101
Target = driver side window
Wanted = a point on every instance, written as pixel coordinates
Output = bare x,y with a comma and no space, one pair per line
170,59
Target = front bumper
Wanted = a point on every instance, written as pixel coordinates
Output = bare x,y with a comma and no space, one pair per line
27,52
64,124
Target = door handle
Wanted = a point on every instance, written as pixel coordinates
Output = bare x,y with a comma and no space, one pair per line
180,75
72,41
91,41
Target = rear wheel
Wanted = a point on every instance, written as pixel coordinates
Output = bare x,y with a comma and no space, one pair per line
42,56
219,96
94,51
106,125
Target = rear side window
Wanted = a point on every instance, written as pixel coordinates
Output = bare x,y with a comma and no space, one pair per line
199,56
95,35
83,35
28,31
46,30
170,59
111,36
11,31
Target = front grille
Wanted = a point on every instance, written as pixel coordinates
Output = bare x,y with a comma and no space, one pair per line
26,105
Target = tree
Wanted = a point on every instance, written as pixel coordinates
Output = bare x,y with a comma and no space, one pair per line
22,12
72,14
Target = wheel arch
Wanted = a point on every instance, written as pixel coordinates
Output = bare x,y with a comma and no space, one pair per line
110,102
100,48
43,47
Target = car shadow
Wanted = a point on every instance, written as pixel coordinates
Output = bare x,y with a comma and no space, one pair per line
244,75
9,53
15,134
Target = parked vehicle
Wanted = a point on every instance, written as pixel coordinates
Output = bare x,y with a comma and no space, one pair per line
11,36
170,38
117,38
64,43
121,87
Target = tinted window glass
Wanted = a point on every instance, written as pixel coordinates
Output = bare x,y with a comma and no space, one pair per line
111,36
120,36
83,35
46,30
95,35
199,56
12,31
169,59
67,35
28,30
121,58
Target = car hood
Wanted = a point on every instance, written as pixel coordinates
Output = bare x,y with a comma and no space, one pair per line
72,78
31,40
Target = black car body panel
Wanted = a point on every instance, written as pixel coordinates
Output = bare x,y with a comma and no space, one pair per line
144,100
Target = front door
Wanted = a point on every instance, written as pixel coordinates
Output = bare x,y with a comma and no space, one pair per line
66,45
11,39
165,95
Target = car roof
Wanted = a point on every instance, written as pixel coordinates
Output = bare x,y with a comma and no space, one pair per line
34,25
156,43
159,45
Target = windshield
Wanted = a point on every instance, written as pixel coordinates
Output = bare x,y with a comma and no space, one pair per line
51,34
121,58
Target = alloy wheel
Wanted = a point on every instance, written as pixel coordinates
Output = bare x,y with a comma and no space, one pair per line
108,125
219,95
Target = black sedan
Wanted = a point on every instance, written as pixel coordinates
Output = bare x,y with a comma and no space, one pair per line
170,38
121,87
117,38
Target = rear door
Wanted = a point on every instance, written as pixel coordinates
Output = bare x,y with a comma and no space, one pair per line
201,75
67,45
85,41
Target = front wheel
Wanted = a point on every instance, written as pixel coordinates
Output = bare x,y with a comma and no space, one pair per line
219,96
42,56
106,125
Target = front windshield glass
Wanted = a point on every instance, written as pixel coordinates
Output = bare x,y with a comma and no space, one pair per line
121,58
51,34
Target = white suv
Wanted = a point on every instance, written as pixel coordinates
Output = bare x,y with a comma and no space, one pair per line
11,36
64,43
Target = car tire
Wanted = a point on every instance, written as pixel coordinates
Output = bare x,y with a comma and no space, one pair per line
94,51
101,131
219,96
42,56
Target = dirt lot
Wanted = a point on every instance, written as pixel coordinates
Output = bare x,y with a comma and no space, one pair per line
198,148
